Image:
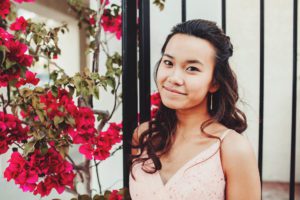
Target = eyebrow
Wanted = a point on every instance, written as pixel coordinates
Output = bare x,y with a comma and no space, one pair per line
187,61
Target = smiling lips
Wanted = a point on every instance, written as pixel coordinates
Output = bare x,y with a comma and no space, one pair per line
173,90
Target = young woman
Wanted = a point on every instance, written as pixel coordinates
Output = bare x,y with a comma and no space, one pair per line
193,148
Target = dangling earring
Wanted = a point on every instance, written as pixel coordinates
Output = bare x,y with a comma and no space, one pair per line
211,101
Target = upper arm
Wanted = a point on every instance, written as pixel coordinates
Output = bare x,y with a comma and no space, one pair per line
136,135
241,169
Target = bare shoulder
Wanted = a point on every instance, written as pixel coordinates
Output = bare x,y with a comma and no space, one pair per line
235,145
240,168
237,150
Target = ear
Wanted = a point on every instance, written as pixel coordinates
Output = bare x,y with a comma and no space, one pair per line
214,86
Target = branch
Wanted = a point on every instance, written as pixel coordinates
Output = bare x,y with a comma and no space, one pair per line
3,102
95,67
117,149
18,145
51,62
76,167
104,113
71,191
116,98
8,98
98,178
88,176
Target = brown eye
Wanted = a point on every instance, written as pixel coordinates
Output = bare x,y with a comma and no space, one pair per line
191,68
167,62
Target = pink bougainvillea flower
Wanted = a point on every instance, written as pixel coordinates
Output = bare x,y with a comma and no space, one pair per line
16,165
4,35
106,2
3,145
153,112
40,173
9,75
112,24
113,133
11,131
17,53
19,25
101,153
114,195
4,8
15,49
87,150
30,78
92,20
21,1
155,99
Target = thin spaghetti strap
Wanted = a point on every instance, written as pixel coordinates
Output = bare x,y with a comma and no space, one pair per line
224,134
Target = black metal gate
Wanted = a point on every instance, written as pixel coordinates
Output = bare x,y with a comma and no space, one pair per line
134,62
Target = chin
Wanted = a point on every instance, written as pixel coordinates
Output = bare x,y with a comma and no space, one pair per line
173,105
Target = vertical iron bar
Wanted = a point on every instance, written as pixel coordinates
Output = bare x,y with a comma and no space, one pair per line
129,80
183,10
144,60
261,91
294,102
224,15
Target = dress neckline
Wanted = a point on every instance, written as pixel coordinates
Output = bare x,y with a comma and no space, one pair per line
186,164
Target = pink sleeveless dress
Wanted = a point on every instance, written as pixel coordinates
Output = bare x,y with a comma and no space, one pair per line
201,178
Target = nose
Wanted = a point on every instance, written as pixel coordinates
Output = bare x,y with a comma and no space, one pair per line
176,77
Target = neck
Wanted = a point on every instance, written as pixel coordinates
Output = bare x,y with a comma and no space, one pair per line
189,121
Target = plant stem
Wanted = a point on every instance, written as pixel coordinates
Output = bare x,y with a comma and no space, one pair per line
76,167
18,145
98,178
116,97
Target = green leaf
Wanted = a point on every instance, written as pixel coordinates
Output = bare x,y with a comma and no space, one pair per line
63,150
71,91
25,92
96,91
38,90
57,120
44,149
40,115
9,63
34,101
107,194
51,133
95,76
54,91
77,81
71,121
2,54
99,117
29,147
53,76
111,82
84,91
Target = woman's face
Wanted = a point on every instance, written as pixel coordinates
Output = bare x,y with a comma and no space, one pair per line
185,73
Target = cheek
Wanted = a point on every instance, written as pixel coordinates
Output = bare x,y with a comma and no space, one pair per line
197,88
161,76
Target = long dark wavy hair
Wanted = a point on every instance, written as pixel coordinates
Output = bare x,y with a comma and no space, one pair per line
157,140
